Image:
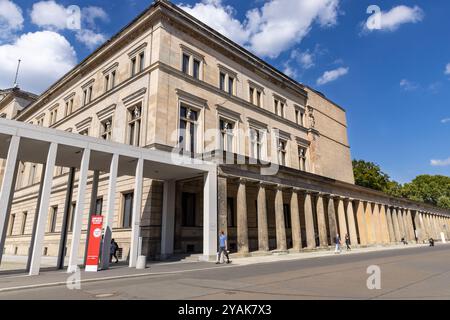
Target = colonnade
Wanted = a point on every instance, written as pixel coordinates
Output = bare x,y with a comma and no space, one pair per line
325,215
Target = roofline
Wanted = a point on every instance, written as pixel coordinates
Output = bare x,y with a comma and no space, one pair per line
170,5
85,60
326,98
234,44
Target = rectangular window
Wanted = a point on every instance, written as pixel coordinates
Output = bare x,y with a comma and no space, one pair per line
196,69
222,81
106,133
256,143
252,95
53,217
188,209
113,79
87,95
279,108
258,98
99,207
141,61
226,135
230,85
127,210
106,82
282,152
188,129
12,220
53,116
299,117
302,158
69,107
24,222
230,213
134,125
185,67
133,66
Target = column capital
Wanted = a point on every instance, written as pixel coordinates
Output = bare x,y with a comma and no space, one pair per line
242,181
263,184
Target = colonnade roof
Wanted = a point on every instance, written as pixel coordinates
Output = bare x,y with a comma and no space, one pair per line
35,142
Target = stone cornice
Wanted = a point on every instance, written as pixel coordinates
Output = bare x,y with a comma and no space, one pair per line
316,183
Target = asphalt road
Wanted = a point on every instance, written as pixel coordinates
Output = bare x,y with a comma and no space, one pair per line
419,273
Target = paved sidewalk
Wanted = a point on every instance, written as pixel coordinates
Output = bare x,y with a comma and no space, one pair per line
317,254
49,278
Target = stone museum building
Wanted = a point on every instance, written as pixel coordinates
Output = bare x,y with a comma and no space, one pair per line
173,132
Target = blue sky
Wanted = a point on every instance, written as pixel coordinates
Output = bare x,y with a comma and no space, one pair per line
392,81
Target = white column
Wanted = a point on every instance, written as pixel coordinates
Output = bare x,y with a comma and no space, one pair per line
79,210
108,223
168,219
43,209
137,209
210,216
7,190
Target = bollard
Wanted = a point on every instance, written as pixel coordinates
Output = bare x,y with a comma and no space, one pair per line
141,262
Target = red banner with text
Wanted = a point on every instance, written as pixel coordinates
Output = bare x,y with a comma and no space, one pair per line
95,239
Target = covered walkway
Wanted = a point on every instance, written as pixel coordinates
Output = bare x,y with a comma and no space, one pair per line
50,147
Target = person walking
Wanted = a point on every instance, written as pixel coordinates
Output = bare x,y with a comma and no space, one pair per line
337,241
347,241
223,247
113,251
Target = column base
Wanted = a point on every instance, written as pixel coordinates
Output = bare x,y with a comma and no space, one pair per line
207,258
241,255
310,249
279,252
260,253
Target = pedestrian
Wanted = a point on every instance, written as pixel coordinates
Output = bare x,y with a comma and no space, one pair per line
337,241
431,241
347,241
113,251
223,247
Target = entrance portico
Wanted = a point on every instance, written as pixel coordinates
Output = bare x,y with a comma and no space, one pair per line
54,148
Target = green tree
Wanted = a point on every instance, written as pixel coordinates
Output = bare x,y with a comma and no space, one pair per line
434,190
369,175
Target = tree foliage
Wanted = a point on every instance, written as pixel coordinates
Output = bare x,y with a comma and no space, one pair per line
434,190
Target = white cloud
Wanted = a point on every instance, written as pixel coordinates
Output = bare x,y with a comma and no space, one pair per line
220,18
11,19
46,56
267,31
445,120
440,163
53,16
394,18
447,69
91,14
90,39
408,85
305,59
332,75
49,15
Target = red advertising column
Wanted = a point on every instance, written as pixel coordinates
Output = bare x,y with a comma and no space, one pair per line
95,239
